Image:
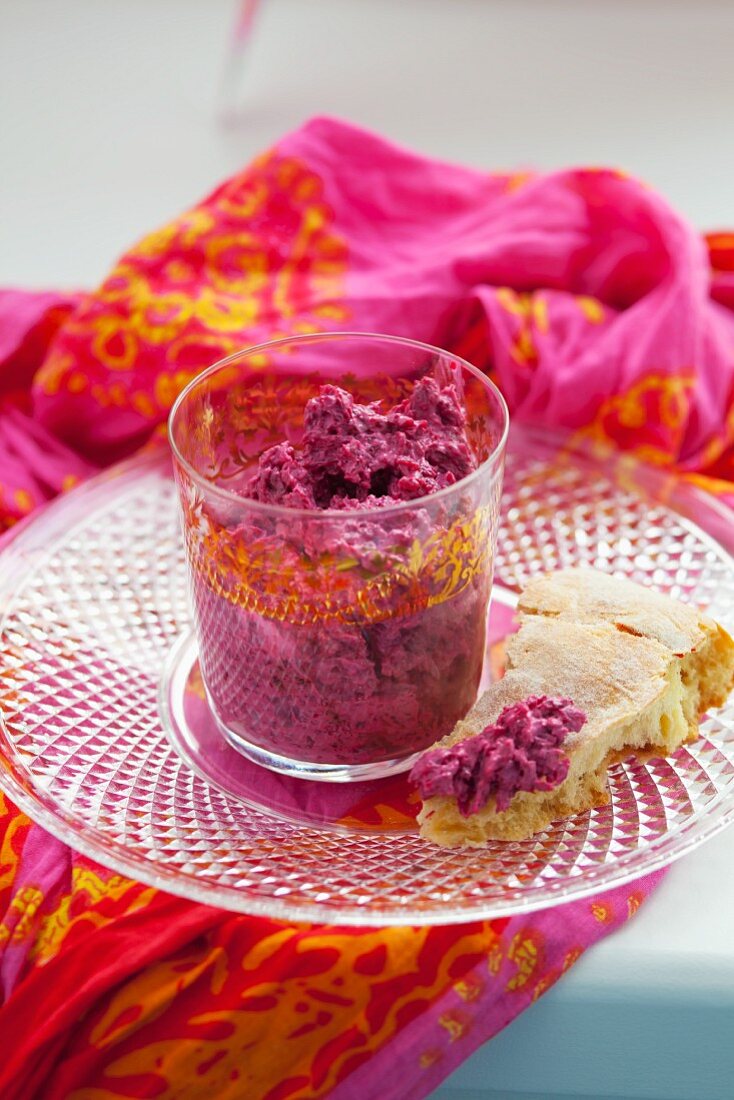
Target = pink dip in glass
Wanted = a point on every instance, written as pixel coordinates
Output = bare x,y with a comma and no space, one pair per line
333,690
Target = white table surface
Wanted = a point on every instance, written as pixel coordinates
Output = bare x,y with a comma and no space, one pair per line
110,122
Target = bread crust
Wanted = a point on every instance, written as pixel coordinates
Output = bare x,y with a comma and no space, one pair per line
641,666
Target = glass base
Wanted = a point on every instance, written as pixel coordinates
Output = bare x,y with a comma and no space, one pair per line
227,758
197,739
182,683
300,769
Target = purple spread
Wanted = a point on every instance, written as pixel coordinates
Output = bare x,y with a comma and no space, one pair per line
519,752
367,681
353,456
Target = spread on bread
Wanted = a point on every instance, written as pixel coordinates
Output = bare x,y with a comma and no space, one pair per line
637,666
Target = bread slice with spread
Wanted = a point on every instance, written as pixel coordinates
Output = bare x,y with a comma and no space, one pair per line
632,668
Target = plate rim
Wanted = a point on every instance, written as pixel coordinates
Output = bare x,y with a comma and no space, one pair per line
20,551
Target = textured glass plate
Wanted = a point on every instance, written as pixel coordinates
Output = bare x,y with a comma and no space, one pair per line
93,601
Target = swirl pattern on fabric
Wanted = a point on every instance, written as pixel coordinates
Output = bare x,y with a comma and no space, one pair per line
597,310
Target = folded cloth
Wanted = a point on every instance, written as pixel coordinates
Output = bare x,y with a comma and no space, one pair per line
595,309
583,294
34,464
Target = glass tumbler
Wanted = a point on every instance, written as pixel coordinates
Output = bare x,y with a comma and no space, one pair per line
334,643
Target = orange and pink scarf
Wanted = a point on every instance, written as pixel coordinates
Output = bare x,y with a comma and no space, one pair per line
596,309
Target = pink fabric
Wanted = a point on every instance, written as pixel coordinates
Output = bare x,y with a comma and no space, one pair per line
591,303
491,995
582,292
44,866
34,464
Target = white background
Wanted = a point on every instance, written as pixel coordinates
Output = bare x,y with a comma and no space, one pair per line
110,116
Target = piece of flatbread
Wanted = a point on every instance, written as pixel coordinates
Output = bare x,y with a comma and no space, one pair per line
704,649
639,665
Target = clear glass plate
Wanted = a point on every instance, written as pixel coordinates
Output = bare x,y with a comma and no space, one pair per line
105,738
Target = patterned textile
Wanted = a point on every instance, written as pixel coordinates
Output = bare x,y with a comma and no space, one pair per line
596,309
